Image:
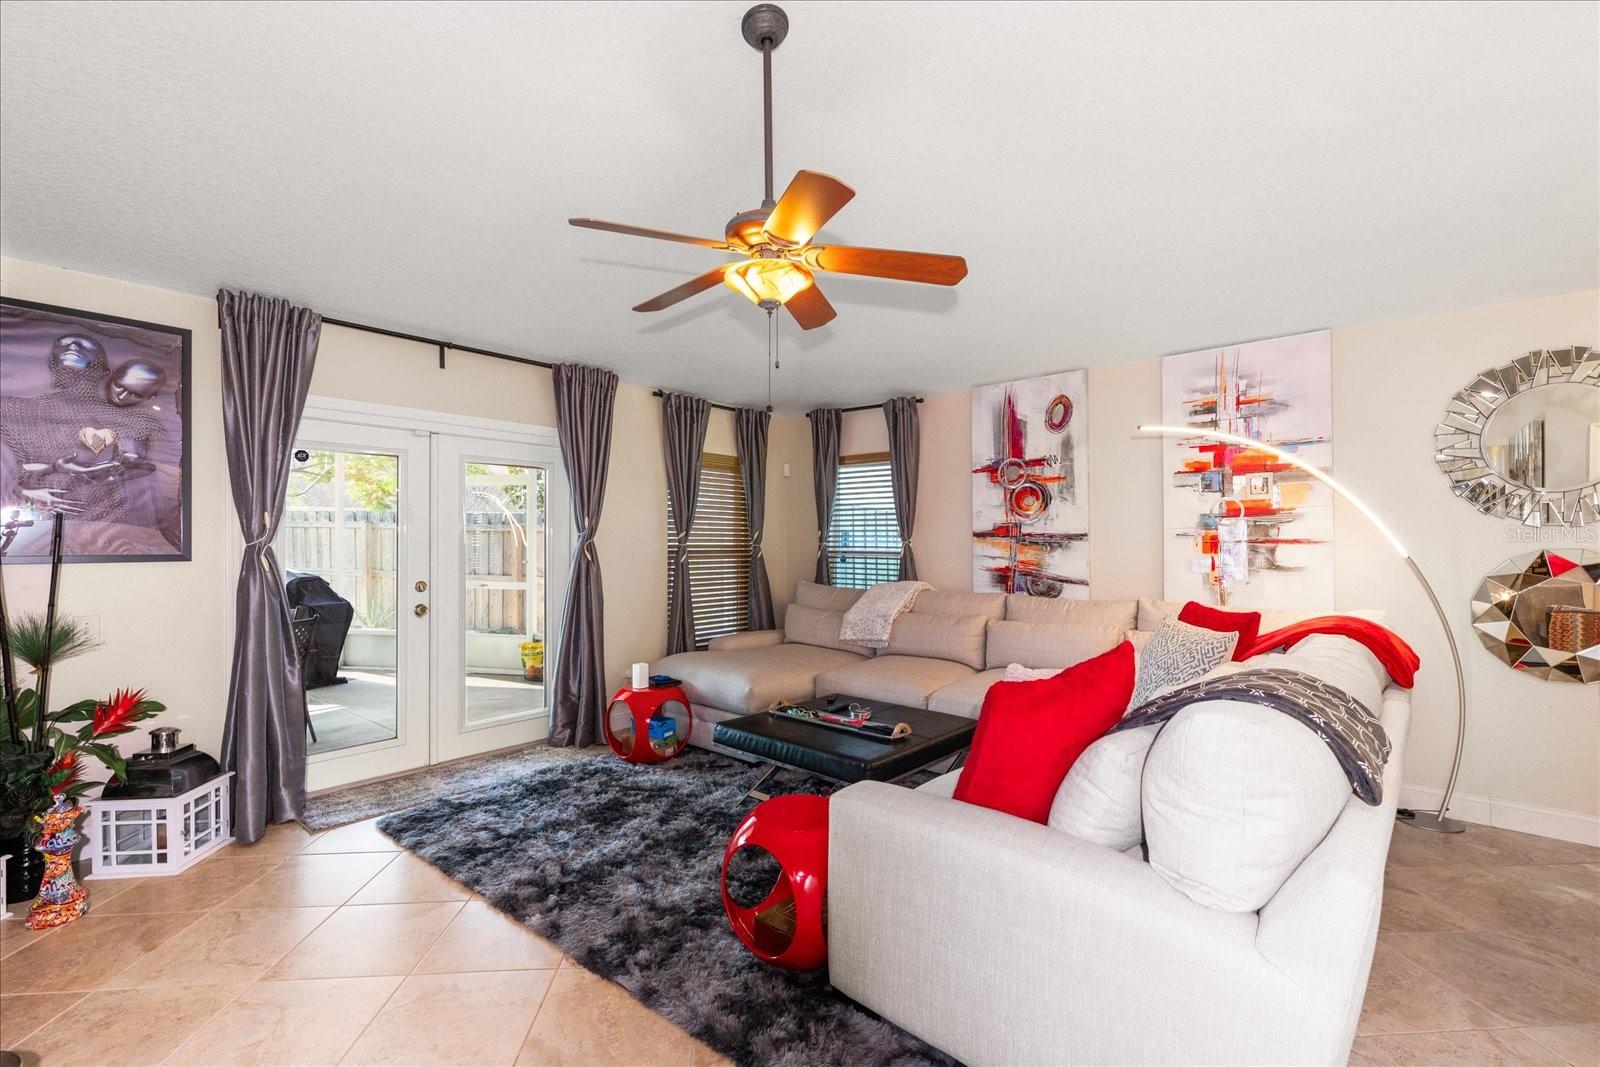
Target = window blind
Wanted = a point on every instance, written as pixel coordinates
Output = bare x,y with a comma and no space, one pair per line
719,551
863,536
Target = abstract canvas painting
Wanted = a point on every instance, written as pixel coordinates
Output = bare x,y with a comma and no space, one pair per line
1242,528
94,425
1030,487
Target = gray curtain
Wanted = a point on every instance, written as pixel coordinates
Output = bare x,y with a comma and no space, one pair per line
585,397
683,422
268,349
750,436
905,450
824,477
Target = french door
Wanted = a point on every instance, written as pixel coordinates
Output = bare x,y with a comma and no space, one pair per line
425,559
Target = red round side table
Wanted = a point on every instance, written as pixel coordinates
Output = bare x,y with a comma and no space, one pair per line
785,929
648,725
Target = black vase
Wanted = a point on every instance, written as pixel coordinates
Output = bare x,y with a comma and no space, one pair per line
24,870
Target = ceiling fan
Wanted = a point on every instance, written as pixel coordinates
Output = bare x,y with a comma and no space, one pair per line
780,261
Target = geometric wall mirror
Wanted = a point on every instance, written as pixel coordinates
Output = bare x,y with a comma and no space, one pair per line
1540,614
1522,441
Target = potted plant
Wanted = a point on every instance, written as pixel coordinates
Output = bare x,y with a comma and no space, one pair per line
44,750
532,660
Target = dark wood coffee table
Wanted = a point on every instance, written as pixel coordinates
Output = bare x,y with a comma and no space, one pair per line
846,757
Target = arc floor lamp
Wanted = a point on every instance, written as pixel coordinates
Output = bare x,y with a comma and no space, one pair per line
1423,820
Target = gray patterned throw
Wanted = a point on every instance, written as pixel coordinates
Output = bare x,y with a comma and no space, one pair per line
1353,733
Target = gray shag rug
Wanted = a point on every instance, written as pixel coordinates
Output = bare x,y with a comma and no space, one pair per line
336,807
620,866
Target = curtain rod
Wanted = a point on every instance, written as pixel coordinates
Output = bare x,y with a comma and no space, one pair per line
442,346
725,407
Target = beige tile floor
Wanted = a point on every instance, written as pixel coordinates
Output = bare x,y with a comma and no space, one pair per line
302,949
340,948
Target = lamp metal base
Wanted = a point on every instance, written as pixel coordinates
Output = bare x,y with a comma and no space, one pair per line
1436,821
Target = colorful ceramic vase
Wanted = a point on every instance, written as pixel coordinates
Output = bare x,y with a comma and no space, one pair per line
61,899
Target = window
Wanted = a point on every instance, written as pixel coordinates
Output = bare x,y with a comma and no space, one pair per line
863,536
719,551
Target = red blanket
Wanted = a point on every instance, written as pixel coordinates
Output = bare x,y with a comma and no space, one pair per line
1397,657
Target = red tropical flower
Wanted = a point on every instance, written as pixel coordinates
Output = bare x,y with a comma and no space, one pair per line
67,767
116,715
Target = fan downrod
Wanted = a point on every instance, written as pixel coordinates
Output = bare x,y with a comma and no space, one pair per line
764,27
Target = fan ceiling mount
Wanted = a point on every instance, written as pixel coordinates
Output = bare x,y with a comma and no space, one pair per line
779,263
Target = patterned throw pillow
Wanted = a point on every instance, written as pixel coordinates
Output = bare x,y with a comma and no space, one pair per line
1176,654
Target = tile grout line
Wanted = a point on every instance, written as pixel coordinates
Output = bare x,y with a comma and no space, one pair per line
48,1021
1510,935
548,986
400,983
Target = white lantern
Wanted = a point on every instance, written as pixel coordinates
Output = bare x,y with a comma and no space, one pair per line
137,838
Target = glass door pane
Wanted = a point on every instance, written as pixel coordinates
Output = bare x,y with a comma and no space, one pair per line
338,546
503,590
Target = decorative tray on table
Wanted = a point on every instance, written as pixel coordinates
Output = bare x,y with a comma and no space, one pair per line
847,718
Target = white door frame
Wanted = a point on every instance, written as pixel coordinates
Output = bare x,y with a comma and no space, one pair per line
421,424
411,745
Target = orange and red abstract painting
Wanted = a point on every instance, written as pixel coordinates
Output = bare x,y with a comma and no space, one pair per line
1030,487
1244,529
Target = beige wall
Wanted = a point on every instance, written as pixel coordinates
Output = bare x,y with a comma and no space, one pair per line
168,626
1529,743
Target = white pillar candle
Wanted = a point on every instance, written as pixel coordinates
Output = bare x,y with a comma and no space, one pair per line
641,675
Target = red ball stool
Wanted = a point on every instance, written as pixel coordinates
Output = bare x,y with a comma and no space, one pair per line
648,725
785,929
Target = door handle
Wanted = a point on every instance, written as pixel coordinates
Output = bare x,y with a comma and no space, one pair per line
421,586
420,610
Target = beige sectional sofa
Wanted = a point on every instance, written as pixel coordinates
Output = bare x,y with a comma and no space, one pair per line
943,654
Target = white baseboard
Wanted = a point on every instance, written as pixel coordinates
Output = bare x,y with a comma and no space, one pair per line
1508,814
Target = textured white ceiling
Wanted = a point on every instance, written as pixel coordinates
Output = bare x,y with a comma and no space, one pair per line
1125,179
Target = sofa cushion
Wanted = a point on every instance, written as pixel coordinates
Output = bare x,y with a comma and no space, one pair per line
1048,644
1177,654
1030,733
826,597
1152,611
907,680
819,627
1234,796
946,602
1098,801
1023,608
966,696
959,638
751,679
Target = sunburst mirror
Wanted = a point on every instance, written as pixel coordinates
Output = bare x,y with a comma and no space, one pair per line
1522,440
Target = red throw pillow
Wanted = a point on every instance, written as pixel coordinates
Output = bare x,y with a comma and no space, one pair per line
1031,733
1397,657
1244,623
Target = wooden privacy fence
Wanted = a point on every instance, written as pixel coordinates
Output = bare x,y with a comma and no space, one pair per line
359,558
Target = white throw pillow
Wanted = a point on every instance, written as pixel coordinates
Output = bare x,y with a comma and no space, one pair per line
1234,797
1016,672
1098,801
1342,663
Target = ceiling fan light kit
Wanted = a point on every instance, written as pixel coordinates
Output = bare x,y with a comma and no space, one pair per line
780,262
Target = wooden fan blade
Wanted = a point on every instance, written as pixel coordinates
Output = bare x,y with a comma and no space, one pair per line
926,267
659,235
810,308
689,288
806,206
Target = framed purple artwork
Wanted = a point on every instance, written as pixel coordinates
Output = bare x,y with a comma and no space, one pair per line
94,423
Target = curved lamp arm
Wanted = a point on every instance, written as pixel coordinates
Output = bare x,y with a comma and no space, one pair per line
1427,820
